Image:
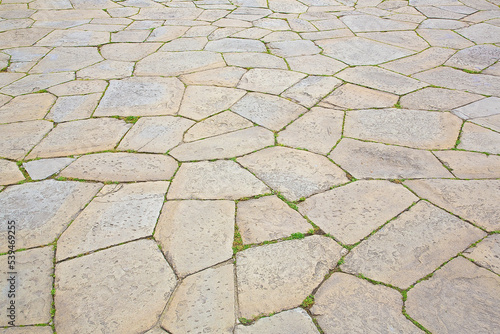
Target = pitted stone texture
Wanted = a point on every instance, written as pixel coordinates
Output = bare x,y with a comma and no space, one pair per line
366,23
26,108
81,137
43,168
42,210
444,38
403,39
68,108
422,61
195,235
487,253
67,59
295,173
352,212
268,218
347,304
475,58
176,63
468,293
214,180
141,97
235,45
226,145
276,277
224,122
9,172
254,60
119,213
17,139
128,51
413,128
412,246
100,292
473,200
483,108
481,33
74,38
432,98
224,77
317,131
292,321
471,165
293,48
79,87
310,90
204,302
270,81
155,134
477,138
357,97
272,112
374,160
122,167
315,65
202,101
107,69
27,330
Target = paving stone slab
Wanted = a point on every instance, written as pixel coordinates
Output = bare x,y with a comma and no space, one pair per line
113,281
444,38
26,108
276,277
422,61
470,165
235,45
106,70
22,37
481,33
272,81
468,293
69,108
74,38
366,23
224,122
9,172
36,82
177,63
263,60
224,77
310,90
483,108
477,138
79,87
166,33
27,330
128,51
166,13
195,235
43,168
351,96
487,253
403,39
490,122
17,139
292,321
67,59
432,98
293,48
475,58
186,44
315,64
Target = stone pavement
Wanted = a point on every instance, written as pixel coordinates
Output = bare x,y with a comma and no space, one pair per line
249,166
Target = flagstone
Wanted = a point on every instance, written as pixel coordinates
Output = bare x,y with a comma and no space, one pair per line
483,108
403,39
185,44
440,13
230,22
469,165
122,11
493,69
130,36
292,321
35,82
74,38
293,48
224,76
6,25
235,45
200,31
79,87
176,63
222,33
27,330
119,213
272,24
68,15
315,65
486,253
166,13
108,69
17,139
300,25
166,33
253,60
477,138
128,51
481,33
281,36
252,33
69,108
271,81
43,168
442,24
22,37
26,108
444,38
7,77
32,53
358,97
366,23
276,277
9,172
475,58
491,122
432,98
310,90
224,122
422,61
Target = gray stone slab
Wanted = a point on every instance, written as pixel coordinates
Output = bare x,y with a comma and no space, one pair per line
235,45
403,39
481,33
292,321
483,108
444,38
176,63
490,122
432,98
79,87
218,124
471,165
69,108
251,59
487,253
43,168
17,139
74,38
106,70
475,58
128,51
477,138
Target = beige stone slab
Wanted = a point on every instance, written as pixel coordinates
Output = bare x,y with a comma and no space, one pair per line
17,139
186,44
36,82
444,38
352,212
166,33
475,58
106,70
411,246
251,59
79,137
223,179
130,36
487,253
432,98
177,63
166,13
43,168
224,77
295,173
272,81
22,37
276,277
425,60
113,281
67,59
69,15
281,36
315,64
69,108
468,293
75,38
218,124
347,304
404,39
358,97
477,138
481,33
310,90
292,321
128,51
26,108
119,213
27,330
9,172
79,87
490,122
471,165
7,78
367,23
294,48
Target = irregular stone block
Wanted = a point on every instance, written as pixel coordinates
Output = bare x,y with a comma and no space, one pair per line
177,63
292,321
17,139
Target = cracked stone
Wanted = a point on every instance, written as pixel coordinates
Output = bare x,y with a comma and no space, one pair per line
470,165
292,321
224,122
357,97
177,63
487,253
26,108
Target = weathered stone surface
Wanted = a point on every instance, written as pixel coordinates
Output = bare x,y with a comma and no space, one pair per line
270,81
373,160
414,128
432,98
107,69
16,139
214,180
122,167
293,48
254,60
195,235
347,304
295,173
352,212
481,33
444,38
128,51
292,321
357,97
204,302
276,277
403,39
186,44
473,200
224,122
315,65
176,63
21,37
202,101
69,108
235,45
268,218
477,138
33,284
226,145
224,76
141,97
113,281
490,122
119,213
269,111
468,293
365,23
166,33
487,253
81,137
9,172
67,59
411,246
310,90
470,165
26,108
422,61
36,82
485,107
475,58
43,168
27,330
42,210
79,87
74,38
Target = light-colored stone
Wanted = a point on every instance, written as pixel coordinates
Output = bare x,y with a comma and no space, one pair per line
483,108
195,235
373,160
490,122
357,97
235,45
80,137
471,165
6,78
36,82
477,138
69,108
432,98
292,321
403,39
224,76
43,168
26,108
270,81
21,37
42,210
9,172
25,54
74,38
315,65
108,69
295,173
130,36
444,38
138,96
119,213
67,59
293,48
422,61
276,277
468,293
352,212
100,292
203,302
79,87
186,44
17,139
128,51
224,122
176,63
481,33
166,33
475,58
27,330
223,179
366,23
487,253
263,60
310,90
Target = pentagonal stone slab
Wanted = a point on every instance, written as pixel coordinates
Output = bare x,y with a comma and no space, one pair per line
113,281
295,173
119,213
474,200
347,304
33,283
280,276
141,97
122,167
411,246
204,302
43,168
9,172
459,298
270,81
373,160
176,63
195,235
487,253
470,165
42,210
67,59
432,98
477,138
353,211
26,108
69,108
214,180
17,139
224,122
292,321
357,97
81,137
